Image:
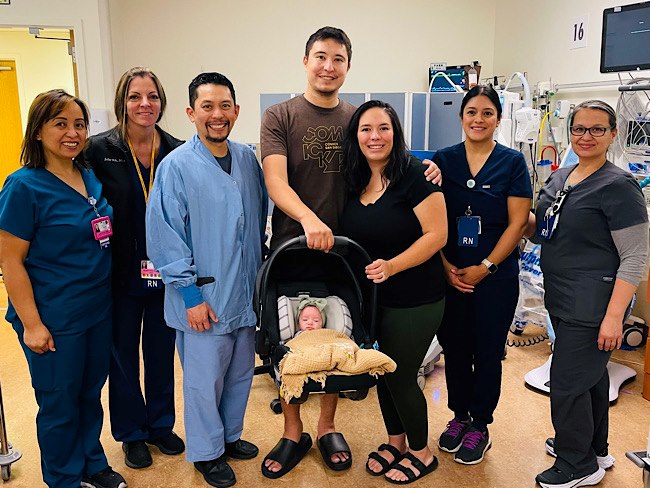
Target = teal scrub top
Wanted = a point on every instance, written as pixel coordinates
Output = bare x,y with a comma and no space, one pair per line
68,269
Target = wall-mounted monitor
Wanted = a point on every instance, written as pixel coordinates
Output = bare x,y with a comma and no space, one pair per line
626,38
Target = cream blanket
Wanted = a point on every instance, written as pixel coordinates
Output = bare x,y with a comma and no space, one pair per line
319,353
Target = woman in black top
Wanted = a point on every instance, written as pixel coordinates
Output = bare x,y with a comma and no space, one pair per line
125,159
400,219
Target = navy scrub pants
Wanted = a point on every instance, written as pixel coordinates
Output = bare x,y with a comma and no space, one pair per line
68,384
579,397
134,416
473,335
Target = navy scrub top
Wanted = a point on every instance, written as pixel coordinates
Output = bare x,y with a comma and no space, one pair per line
504,174
68,270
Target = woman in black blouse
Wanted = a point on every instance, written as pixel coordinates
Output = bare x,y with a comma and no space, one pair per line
400,219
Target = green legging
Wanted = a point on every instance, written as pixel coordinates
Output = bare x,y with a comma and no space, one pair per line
405,334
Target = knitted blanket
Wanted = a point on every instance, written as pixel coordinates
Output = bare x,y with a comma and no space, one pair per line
320,353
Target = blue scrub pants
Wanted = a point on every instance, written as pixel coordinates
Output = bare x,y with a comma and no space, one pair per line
134,416
217,377
473,335
68,384
579,397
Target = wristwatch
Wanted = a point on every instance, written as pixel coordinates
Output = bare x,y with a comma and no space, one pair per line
491,267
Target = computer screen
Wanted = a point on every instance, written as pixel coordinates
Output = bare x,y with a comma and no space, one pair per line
626,38
457,74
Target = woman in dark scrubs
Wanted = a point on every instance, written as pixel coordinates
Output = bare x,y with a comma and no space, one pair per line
488,193
56,261
593,225
125,160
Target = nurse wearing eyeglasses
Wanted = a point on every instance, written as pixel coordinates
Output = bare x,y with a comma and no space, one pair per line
593,226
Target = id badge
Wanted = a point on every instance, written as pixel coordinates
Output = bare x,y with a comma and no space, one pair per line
150,276
548,226
102,230
469,227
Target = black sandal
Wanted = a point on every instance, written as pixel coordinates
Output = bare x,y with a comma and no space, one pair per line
334,443
417,464
288,453
385,464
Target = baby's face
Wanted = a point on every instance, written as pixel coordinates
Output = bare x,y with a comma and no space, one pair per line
310,318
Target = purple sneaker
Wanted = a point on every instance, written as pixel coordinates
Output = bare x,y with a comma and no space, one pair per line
452,438
475,444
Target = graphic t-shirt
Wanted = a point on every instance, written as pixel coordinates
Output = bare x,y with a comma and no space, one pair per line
311,138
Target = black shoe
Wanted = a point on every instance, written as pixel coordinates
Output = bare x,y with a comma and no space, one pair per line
216,472
556,478
136,454
107,478
241,449
170,444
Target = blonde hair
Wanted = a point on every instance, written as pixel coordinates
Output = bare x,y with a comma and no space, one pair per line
122,90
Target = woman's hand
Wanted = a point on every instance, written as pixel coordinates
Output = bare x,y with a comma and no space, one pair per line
379,271
472,275
610,335
432,173
38,339
454,276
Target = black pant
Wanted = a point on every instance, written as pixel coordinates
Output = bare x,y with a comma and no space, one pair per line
579,397
405,335
473,335
136,416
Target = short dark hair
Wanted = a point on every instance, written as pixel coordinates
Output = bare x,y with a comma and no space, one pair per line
328,32
595,105
122,90
485,90
211,78
356,170
44,108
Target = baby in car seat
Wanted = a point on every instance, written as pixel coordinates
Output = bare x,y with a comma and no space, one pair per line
311,315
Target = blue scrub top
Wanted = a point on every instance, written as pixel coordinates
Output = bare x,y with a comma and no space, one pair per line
504,174
68,270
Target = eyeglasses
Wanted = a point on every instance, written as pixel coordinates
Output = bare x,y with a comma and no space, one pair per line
578,130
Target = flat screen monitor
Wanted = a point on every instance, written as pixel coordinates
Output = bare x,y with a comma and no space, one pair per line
626,38
457,74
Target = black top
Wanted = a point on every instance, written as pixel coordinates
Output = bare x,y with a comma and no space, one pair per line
580,260
387,228
112,162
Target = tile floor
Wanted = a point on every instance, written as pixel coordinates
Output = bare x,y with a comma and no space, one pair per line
521,425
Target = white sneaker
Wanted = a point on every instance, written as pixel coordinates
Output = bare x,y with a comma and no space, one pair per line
605,460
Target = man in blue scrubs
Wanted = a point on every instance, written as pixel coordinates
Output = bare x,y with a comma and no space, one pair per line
205,230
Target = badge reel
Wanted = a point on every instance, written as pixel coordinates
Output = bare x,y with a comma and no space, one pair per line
102,226
469,228
552,215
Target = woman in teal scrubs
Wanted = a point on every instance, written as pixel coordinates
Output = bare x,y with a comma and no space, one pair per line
56,261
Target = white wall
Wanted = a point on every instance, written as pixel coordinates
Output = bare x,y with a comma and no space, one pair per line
41,64
88,20
259,45
534,36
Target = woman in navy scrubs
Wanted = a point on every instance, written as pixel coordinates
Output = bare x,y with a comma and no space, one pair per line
488,193
125,159
593,225
56,261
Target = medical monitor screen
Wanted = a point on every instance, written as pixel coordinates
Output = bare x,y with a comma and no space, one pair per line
626,38
440,84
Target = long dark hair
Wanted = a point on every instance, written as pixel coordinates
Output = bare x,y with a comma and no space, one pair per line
356,170
44,108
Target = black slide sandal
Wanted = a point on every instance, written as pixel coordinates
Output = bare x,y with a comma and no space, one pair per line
288,453
385,464
333,443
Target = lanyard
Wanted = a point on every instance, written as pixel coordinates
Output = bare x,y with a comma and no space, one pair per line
151,168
